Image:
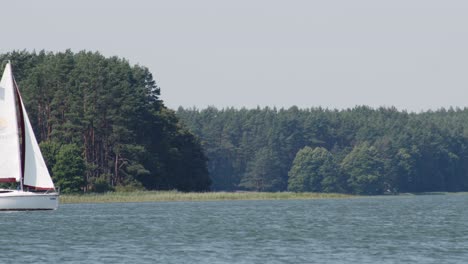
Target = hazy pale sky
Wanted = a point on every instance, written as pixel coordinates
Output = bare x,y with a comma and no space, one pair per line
412,54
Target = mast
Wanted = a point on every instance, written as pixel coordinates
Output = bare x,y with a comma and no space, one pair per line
22,131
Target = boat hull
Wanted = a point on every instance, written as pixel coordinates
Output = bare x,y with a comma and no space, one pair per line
26,201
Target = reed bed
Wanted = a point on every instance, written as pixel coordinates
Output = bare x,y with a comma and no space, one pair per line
164,196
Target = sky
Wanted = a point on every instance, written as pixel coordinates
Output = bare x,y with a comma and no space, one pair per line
411,54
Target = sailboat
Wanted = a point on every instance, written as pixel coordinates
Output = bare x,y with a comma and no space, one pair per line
21,160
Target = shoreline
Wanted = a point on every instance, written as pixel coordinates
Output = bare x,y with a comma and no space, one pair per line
173,196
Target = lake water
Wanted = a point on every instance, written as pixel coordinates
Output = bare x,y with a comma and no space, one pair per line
400,229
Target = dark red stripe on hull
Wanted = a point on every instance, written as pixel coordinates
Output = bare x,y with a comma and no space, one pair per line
7,180
39,188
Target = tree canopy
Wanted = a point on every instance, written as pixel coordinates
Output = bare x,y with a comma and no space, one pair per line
314,170
359,150
108,113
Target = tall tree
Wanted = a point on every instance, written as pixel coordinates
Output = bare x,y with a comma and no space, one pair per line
314,170
112,111
364,169
261,172
69,169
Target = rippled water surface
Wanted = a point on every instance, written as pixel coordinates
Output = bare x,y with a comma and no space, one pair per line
403,229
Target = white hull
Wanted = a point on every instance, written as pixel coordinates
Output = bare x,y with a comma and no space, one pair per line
12,200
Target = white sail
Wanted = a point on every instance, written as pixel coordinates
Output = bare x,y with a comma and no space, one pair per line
36,174
10,168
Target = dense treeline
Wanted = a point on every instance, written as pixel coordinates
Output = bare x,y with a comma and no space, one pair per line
360,150
102,125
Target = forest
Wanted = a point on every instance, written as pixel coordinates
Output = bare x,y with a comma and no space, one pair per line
102,125
360,150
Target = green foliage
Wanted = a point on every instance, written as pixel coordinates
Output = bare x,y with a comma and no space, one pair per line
50,150
364,169
133,187
314,170
301,170
69,169
101,184
371,150
112,111
261,172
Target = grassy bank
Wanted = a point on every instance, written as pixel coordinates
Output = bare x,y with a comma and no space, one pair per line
161,196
